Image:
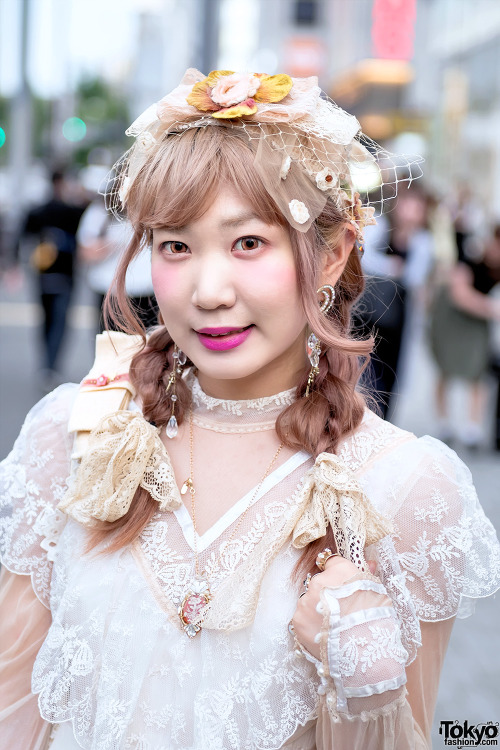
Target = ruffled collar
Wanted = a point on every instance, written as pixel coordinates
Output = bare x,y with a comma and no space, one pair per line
252,415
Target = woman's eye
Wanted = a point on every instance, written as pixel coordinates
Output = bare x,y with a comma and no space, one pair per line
172,247
248,243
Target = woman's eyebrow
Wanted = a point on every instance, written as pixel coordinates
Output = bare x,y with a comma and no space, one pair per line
237,219
229,223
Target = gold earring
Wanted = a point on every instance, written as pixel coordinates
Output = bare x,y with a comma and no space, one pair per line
328,293
179,361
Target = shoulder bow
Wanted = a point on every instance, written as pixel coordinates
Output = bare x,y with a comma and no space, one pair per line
333,496
124,452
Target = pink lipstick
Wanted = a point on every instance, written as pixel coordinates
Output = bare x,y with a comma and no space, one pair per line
221,339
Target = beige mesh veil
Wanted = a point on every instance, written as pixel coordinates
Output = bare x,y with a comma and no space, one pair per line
307,149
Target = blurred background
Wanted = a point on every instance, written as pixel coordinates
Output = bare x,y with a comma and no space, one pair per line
422,77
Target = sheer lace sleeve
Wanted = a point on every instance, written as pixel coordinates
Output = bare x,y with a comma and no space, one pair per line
383,644
369,697
447,549
33,479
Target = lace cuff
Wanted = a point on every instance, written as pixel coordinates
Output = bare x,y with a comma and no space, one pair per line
363,660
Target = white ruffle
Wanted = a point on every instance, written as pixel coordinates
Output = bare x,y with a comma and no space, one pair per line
140,682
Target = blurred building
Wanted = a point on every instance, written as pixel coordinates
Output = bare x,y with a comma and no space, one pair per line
171,37
420,75
416,73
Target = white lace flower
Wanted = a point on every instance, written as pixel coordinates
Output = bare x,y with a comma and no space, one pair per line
124,190
146,140
325,179
299,211
285,167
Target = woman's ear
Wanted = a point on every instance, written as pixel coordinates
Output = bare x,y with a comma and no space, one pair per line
334,260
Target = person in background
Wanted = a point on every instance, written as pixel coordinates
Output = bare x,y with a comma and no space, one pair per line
397,260
101,240
459,336
54,224
468,219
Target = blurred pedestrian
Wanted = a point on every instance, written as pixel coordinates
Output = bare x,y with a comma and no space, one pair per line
459,336
101,242
468,219
54,223
397,260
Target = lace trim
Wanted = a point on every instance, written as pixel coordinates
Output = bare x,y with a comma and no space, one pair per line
238,408
384,711
233,429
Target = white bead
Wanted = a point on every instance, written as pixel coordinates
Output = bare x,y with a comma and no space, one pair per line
320,608
317,638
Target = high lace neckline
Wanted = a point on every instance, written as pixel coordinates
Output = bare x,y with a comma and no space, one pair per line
248,415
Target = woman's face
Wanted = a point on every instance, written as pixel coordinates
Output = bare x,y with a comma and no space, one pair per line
226,285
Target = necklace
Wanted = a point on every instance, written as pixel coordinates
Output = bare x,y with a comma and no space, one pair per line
198,594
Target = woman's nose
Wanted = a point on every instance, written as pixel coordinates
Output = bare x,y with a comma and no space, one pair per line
213,284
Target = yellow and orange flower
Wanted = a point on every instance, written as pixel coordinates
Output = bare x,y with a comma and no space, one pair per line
228,95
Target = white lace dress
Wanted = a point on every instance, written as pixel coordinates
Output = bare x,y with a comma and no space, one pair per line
112,666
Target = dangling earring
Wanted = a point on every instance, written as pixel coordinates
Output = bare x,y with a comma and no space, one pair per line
313,349
359,246
179,361
328,293
313,346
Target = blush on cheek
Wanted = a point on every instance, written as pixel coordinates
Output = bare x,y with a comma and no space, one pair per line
165,281
272,278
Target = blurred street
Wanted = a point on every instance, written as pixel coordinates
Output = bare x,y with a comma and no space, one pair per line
469,687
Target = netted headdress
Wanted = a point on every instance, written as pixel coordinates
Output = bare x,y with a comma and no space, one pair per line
307,149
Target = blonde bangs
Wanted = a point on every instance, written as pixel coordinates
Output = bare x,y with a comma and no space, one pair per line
181,179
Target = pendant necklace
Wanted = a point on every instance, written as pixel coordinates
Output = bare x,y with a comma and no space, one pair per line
198,594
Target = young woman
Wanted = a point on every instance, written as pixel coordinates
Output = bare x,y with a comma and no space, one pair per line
155,548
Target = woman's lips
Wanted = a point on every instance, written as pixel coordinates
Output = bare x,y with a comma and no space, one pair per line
221,339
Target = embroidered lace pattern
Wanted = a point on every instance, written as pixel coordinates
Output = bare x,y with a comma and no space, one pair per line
33,478
239,682
445,546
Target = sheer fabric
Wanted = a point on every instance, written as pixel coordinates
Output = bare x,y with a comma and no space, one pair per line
239,683
24,625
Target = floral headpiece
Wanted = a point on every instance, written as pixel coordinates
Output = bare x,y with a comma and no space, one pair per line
306,148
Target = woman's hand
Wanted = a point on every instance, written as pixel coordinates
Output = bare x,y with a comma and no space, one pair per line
307,621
